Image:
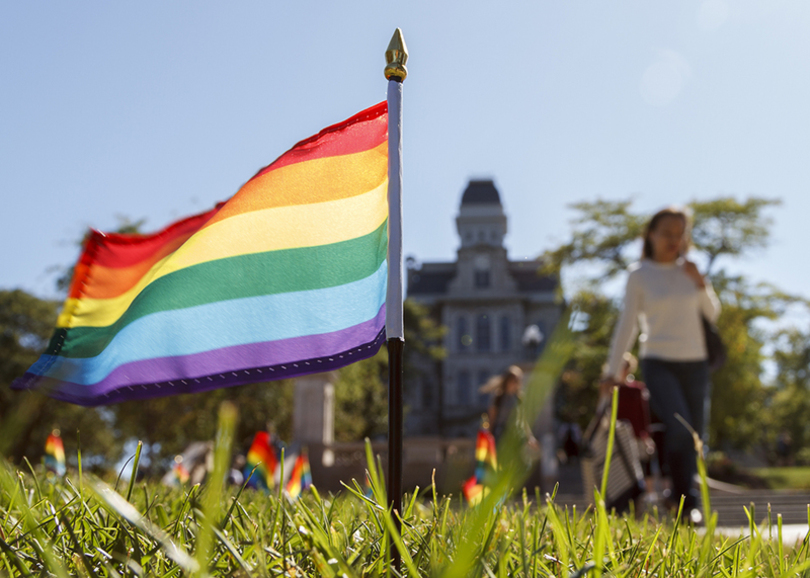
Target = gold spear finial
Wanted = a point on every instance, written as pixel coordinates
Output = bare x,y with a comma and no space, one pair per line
395,57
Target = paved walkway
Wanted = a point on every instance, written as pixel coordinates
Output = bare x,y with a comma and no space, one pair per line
792,534
728,501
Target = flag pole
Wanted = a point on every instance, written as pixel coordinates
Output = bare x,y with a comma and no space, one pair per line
395,57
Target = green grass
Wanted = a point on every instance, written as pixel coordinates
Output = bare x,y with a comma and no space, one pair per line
84,527
56,527
790,478
81,526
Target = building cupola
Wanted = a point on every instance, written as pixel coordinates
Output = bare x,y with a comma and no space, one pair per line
481,220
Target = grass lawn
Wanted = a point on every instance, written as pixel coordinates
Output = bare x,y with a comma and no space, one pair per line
80,526
790,478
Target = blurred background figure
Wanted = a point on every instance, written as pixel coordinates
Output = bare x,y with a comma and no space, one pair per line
667,298
505,411
505,390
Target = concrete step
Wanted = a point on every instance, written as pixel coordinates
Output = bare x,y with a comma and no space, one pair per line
730,507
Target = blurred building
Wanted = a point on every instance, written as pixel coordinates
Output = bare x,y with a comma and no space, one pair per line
497,312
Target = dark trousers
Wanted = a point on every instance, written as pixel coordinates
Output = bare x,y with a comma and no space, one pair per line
679,387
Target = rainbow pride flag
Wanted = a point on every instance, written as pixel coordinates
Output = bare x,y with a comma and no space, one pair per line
55,454
486,462
300,477
262,457
286,278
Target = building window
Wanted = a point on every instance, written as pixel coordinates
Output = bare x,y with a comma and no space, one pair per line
463,387
506,333
483,377
481,279
481,267
427,394
463,337
482,330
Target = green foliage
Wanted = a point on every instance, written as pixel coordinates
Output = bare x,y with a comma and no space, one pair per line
602,231
593,318
789,402
728,227
168,424
423,338
738,394
361,399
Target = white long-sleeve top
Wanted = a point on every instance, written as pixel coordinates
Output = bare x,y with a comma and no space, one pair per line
666,305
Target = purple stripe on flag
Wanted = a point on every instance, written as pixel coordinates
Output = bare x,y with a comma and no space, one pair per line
226,367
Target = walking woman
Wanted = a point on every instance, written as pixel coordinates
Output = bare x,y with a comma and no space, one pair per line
666,298
505,411
505,402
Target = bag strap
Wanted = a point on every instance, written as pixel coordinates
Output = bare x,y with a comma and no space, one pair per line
593,427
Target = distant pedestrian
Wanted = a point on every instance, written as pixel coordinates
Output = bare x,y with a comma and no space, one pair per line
506,396
505,408
666,297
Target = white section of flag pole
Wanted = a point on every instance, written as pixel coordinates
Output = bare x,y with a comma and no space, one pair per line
393,301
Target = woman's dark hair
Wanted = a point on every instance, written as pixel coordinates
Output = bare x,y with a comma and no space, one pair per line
647,250
497,384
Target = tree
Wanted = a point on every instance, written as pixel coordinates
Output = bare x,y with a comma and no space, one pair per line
728,227
601,232
788,402
738,392
592,321
167,425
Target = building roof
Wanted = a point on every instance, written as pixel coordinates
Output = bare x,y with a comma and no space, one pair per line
530,280
431,280
481,192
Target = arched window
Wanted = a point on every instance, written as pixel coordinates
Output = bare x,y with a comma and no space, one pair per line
463,338
481,271
427,394
506,333
482,333
483,376
463,387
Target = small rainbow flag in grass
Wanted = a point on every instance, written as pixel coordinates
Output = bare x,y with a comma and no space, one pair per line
300,477
486,462
286,278
262,457
55,454
181,474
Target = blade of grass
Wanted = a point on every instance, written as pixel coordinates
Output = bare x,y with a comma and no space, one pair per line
31,525
614,408
212,496
118,506
134,475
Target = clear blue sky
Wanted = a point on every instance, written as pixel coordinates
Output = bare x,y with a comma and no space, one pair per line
157,110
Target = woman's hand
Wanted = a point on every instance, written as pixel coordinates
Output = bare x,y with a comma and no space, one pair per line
692,272
606,385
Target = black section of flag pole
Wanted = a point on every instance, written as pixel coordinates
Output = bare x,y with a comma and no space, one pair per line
395,419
